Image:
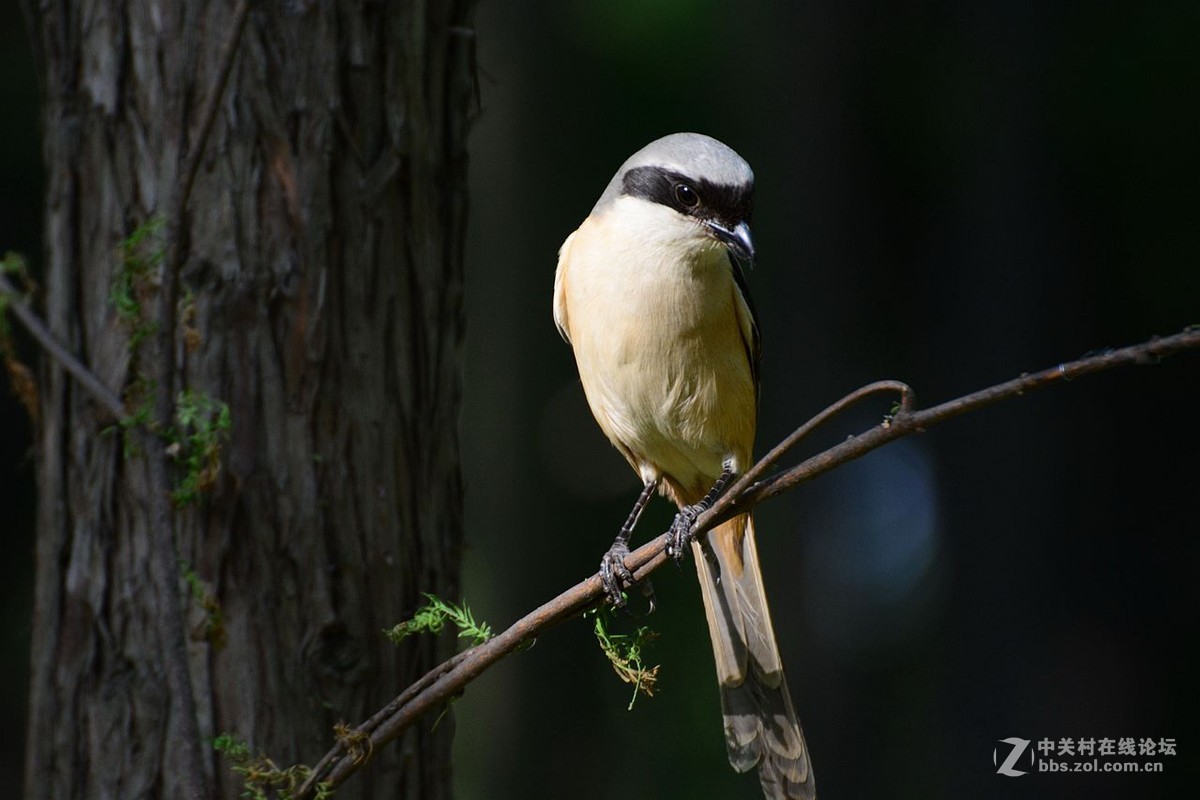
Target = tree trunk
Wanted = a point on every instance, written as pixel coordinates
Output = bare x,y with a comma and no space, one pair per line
320,297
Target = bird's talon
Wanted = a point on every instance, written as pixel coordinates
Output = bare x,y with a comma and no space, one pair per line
651,598
614,574
680,535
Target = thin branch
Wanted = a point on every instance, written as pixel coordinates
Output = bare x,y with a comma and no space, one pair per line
855,397
55,349
449,679
907,421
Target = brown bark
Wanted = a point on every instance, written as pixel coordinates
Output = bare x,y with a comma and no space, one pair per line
322,252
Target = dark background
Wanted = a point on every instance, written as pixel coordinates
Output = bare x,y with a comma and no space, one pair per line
949,194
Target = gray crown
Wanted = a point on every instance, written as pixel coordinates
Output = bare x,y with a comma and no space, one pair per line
691,154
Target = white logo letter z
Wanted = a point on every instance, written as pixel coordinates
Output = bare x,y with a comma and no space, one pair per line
1018,747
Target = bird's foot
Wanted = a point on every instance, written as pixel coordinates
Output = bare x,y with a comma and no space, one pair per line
682,530
680,535
614,575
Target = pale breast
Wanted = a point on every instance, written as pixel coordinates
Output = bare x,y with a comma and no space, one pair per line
653,319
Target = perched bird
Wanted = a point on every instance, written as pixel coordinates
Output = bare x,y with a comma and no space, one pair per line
651,296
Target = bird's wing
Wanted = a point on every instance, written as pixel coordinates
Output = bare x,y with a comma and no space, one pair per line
560,289
747,320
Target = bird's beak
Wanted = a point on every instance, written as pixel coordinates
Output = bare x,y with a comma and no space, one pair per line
737,239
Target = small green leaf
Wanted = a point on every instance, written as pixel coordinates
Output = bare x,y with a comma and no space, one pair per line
432,618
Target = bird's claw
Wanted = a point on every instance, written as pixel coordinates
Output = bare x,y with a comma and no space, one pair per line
614,573
614,576
680,535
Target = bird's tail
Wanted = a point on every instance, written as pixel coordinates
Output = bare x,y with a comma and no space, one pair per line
760,724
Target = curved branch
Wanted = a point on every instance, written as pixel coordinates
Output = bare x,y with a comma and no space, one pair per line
746,480
450,678
908,421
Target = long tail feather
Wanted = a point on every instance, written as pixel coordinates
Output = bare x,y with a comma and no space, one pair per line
761,727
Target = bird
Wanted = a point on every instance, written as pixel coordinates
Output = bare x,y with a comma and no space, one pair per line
650,292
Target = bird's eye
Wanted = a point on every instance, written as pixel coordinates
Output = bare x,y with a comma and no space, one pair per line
686,195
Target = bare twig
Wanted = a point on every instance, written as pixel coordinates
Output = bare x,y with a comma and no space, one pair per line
907,421
855,397
41,334
449,679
